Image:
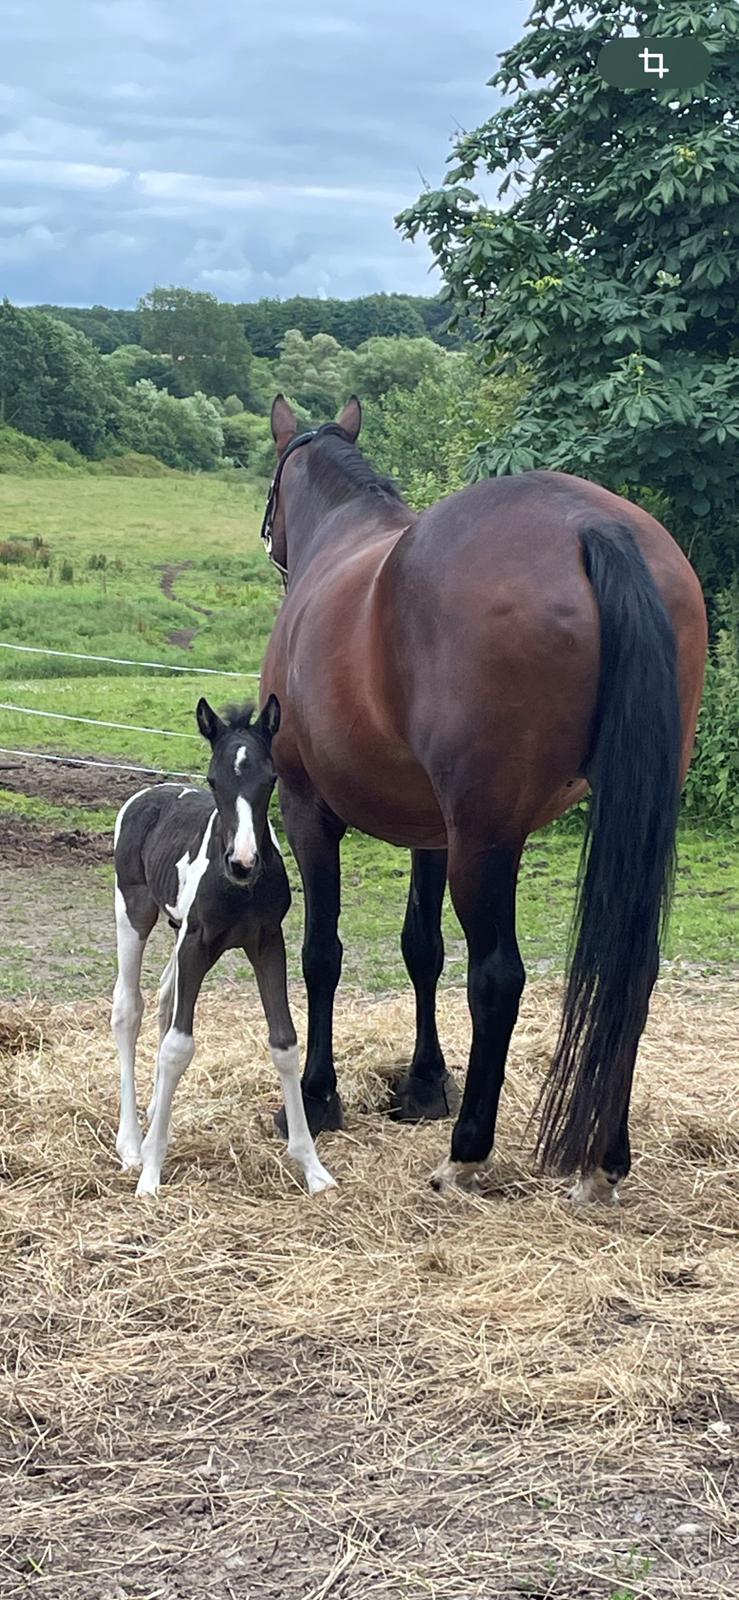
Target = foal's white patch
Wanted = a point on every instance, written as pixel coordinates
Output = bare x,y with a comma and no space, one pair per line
274,838
240,758
123,810
595,1185
245,843
190,874
175,911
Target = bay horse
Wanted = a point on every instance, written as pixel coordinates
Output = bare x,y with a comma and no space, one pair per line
452,681
210,863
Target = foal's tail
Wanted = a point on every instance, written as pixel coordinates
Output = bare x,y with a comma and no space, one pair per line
628,857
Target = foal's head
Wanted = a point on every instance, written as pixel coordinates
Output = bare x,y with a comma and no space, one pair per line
242,776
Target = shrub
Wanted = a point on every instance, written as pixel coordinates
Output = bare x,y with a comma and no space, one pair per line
712,787
23,455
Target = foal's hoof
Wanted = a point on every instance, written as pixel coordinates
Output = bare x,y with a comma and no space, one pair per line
324,1116
424,1099
457,1175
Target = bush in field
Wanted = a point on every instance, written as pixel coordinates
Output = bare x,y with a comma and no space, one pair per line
712,788
130,464
382,364
246,438
424,436
20,454
312,371
130,362
182,433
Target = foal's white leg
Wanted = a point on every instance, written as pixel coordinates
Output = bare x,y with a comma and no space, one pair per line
191,962
175,1054
166,1008
299,1139
128,1009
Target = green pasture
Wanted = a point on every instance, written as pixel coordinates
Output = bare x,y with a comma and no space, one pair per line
117,607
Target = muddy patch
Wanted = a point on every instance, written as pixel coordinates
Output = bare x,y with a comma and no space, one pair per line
24,843
65,784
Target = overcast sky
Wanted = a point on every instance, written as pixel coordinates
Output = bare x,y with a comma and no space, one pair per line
241,146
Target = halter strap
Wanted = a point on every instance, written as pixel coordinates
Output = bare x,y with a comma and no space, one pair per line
265,532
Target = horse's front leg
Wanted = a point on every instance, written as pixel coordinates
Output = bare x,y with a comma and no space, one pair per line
483,888
427,1090
315,835
266,952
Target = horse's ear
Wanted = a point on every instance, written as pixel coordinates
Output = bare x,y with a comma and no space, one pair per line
351,418
209,722
268,721
284,423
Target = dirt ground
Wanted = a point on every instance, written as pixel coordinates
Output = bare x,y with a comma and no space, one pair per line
239,1392
65,784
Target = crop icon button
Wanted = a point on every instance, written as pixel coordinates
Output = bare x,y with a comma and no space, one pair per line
648,63
654,61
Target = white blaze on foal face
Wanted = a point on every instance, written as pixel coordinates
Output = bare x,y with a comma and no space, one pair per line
244,849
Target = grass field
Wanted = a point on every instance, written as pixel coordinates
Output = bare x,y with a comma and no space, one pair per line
125,565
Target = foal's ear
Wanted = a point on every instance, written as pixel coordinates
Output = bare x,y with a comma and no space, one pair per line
268,721
284,423
209,722
351,418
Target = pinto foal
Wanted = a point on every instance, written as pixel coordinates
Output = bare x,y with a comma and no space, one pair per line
212,865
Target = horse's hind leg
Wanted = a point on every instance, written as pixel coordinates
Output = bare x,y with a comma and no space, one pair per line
427,1089
483,889
135,916
267,956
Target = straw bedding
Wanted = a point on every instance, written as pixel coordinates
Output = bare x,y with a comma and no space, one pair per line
239,1392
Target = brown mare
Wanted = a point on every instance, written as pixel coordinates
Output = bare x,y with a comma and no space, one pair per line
451,681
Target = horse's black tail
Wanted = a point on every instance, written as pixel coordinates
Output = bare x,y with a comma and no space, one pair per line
628,857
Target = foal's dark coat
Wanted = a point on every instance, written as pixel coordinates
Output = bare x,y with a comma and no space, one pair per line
210,864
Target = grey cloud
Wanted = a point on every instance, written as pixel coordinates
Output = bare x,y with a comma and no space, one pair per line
177,142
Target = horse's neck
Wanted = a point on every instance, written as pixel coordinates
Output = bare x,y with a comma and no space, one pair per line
352,526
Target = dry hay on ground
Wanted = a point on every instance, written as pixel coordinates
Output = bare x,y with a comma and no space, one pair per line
239,1392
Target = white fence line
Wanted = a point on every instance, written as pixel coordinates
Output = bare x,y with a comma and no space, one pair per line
84,761
93,722
122,661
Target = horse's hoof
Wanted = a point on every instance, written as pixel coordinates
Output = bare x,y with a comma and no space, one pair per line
425,1100
324,1116
595,1186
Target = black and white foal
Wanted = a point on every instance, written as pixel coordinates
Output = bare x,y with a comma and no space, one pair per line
211,864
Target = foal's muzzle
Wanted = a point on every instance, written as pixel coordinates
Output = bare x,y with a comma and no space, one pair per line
243,876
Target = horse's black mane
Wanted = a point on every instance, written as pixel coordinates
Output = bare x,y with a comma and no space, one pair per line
339,470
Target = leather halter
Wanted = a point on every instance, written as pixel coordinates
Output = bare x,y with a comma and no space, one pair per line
265,532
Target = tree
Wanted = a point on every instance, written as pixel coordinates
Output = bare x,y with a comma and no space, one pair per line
350,322
106,329
182,433
423,436
311,371
203,338
392,363
53,382
613,277
130,362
